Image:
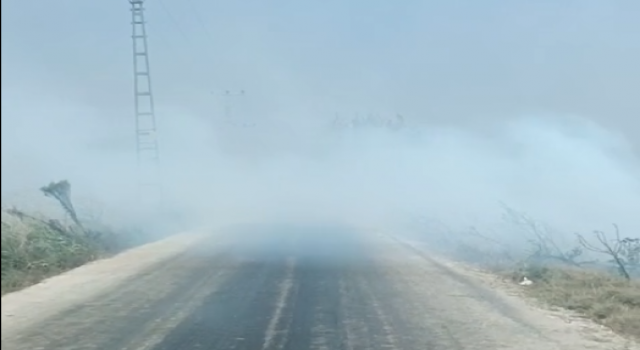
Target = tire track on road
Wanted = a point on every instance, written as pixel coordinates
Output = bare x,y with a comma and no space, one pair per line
113,320
236,315
277,331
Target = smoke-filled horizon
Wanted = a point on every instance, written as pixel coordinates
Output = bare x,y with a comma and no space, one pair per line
533,105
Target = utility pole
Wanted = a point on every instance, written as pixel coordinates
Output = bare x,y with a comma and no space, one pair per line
227,96
148,160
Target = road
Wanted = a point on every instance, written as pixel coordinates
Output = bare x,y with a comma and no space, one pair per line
298,288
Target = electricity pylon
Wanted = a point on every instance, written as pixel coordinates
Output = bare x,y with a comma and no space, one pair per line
148,157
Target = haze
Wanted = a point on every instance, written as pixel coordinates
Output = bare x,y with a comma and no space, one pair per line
535,104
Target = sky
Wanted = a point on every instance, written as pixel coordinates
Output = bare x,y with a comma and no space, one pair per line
67,95
450,61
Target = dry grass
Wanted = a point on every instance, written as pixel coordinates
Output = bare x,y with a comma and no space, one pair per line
607,299
33,250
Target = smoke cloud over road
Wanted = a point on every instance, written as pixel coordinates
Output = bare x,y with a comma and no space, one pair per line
503,114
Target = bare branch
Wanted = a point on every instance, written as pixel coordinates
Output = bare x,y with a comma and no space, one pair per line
616,249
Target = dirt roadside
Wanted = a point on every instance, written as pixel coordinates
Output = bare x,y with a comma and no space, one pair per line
482,306
24,308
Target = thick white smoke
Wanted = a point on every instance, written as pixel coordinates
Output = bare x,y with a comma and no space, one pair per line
563,170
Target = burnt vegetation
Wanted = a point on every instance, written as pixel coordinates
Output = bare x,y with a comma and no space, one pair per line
596,275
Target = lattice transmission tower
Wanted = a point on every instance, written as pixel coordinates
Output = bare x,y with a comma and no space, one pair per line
148,157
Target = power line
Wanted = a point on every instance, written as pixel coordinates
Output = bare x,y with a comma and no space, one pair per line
196,14
174,21
204,29
227,95
183,33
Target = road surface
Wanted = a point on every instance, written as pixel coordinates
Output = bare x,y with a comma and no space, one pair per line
285,287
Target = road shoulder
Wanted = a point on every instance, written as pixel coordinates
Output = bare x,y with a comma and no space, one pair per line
562,326
54,295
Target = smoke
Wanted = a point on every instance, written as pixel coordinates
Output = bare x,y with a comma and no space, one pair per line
468,80
565,170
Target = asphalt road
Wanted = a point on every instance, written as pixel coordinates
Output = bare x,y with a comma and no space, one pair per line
293,288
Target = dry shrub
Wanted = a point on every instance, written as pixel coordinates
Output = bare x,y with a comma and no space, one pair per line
35,248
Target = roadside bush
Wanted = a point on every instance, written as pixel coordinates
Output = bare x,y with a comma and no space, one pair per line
35,247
